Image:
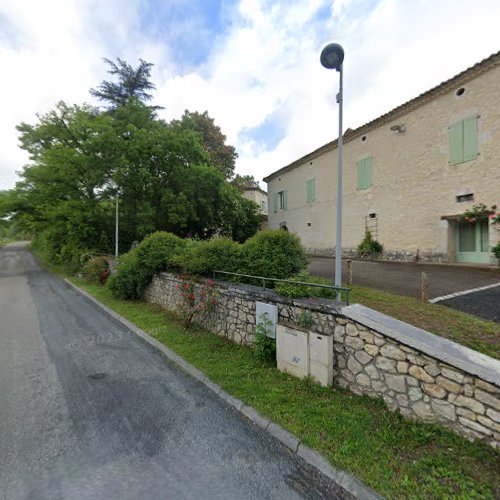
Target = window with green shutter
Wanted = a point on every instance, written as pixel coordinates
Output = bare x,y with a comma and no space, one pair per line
280,201
463,140
311,190
364,168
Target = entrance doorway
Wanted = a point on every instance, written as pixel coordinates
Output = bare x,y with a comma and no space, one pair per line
473,242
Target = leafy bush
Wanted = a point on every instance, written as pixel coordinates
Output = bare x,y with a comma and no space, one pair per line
496,251
273,253
221,254
297,291
136,268
369,246
96,270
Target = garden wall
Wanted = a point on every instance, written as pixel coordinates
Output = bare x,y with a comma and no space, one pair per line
421,375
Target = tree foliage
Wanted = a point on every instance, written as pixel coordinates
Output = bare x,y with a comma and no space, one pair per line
82,158
221,155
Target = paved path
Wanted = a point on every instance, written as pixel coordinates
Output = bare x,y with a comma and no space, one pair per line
405,279
89,411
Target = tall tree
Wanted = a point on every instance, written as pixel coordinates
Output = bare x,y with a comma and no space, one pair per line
133,83
222,156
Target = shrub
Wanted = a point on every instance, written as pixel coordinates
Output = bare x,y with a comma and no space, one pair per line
369,246
195,302
96,270
221,254
136,268
496,251
297,291
273,253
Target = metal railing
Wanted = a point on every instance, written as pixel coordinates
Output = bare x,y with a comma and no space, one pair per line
340,289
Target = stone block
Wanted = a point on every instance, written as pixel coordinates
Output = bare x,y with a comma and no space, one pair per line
342,382
452,374
391,404
449,385
444,410
402,367
470,403
367,337
378,386
415,393
423,410
468,390
415,360
402,399
363,380
432,370
351,330
372,372
475,426
339,333
363,357
464,412
488,423
434,390
354,342
396,382
371,349
420,374
386,364
494,415
379,341
353,366
486,386
393,352
488,398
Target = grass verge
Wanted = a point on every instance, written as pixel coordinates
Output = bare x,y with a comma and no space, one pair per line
397,458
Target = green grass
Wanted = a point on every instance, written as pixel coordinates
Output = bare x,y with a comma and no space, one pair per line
466,329
396,457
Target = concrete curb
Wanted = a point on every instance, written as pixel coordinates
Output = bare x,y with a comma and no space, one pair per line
348,482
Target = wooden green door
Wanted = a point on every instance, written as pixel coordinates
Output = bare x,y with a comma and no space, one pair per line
473,242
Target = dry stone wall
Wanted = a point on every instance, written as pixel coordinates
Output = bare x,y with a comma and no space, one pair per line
421,375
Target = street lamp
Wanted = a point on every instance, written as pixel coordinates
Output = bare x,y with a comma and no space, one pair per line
332,57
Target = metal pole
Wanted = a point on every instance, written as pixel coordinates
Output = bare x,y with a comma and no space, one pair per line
338,242
116,227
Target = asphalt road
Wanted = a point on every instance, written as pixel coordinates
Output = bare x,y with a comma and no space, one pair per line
89,411
405,279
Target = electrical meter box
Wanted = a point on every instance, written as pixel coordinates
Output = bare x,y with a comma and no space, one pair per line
321,358
292,351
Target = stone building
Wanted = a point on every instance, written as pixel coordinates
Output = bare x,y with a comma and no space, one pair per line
408,175
252,191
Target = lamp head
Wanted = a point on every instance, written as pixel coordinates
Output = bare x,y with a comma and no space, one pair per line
332,56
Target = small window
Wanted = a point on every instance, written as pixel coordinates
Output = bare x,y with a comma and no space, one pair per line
463,140
263,206
465,197
280,201
460,91
311,191
373,215
364,173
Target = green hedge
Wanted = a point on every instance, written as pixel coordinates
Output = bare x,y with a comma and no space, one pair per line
297,291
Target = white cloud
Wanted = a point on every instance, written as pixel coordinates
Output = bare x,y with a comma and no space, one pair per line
265,61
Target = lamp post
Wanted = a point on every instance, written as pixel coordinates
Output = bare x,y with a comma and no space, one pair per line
332,57
116,225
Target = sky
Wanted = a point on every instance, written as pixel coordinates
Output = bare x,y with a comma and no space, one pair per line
252,64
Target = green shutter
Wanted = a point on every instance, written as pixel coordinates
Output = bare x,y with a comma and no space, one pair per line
311,190
470,138
275,208
284,200
364,168
361,169
456,142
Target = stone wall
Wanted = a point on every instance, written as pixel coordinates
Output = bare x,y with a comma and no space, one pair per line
421,375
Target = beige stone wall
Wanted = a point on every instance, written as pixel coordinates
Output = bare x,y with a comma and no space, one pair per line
427,383
258,197
412,183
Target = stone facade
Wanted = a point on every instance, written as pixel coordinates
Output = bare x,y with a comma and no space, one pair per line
420,375
416,191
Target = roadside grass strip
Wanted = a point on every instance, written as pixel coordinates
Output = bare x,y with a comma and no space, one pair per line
358,434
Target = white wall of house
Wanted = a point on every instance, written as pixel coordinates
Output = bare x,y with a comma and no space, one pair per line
413,182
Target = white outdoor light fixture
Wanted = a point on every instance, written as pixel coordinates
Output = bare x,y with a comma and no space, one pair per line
332,57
